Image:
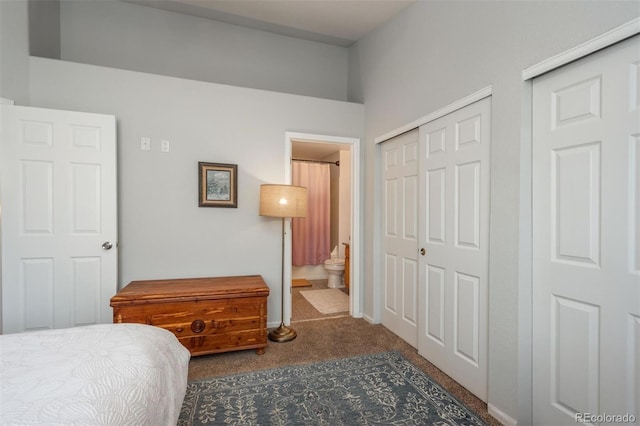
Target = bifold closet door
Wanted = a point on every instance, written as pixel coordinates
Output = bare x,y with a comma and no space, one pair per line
454,233
399,162
586,239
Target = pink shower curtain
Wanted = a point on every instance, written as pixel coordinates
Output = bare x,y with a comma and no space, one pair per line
310,235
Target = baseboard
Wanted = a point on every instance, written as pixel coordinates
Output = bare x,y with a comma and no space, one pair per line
368,319
315,277
501,416
273,324
309,272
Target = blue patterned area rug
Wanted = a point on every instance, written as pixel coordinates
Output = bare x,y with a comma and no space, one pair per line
381,389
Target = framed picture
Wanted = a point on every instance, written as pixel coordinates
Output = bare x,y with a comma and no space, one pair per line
218,185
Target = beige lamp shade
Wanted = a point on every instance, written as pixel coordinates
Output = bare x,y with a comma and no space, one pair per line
283,201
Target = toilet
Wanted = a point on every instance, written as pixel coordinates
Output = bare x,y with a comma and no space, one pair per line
335,268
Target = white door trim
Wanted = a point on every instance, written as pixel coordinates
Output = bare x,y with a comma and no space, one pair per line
602,41
525,261
460,103
356,285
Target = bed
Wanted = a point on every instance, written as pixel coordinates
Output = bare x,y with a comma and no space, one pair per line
105,374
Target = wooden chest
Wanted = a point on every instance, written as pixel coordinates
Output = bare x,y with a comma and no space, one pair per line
207,315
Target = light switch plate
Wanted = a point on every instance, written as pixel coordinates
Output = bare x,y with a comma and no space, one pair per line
164,146
145,144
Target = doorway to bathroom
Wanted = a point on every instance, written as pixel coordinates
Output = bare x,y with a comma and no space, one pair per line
324,246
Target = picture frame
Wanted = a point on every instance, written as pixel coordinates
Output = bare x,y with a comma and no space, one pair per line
217,185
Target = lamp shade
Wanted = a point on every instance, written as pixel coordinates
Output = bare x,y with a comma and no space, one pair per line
283,201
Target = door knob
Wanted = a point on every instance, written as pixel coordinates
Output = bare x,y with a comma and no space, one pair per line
423,251
107,245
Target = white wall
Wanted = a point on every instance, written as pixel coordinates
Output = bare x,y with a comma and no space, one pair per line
44,28
163,232
134,37
14,64
14,51
435,53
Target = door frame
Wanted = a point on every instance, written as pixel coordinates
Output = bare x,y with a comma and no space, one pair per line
525,258
3,101
356,296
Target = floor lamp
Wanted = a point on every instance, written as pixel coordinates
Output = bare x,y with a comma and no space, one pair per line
283,201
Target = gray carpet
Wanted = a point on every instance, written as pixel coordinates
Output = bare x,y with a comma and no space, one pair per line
382,389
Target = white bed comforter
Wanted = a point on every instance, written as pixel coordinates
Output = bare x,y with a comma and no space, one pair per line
106,374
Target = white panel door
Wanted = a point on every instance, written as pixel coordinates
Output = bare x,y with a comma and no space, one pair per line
586,240
400,236
454,231
58,198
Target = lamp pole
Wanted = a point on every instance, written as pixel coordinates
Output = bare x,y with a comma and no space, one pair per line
282,333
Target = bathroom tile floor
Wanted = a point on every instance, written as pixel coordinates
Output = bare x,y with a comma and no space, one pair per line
302,310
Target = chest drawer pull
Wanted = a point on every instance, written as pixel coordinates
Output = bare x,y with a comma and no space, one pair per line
179,329
197,326
218,324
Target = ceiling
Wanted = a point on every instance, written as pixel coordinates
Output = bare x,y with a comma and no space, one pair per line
338,22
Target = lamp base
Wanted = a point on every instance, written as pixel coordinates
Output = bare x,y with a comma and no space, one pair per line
282,334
